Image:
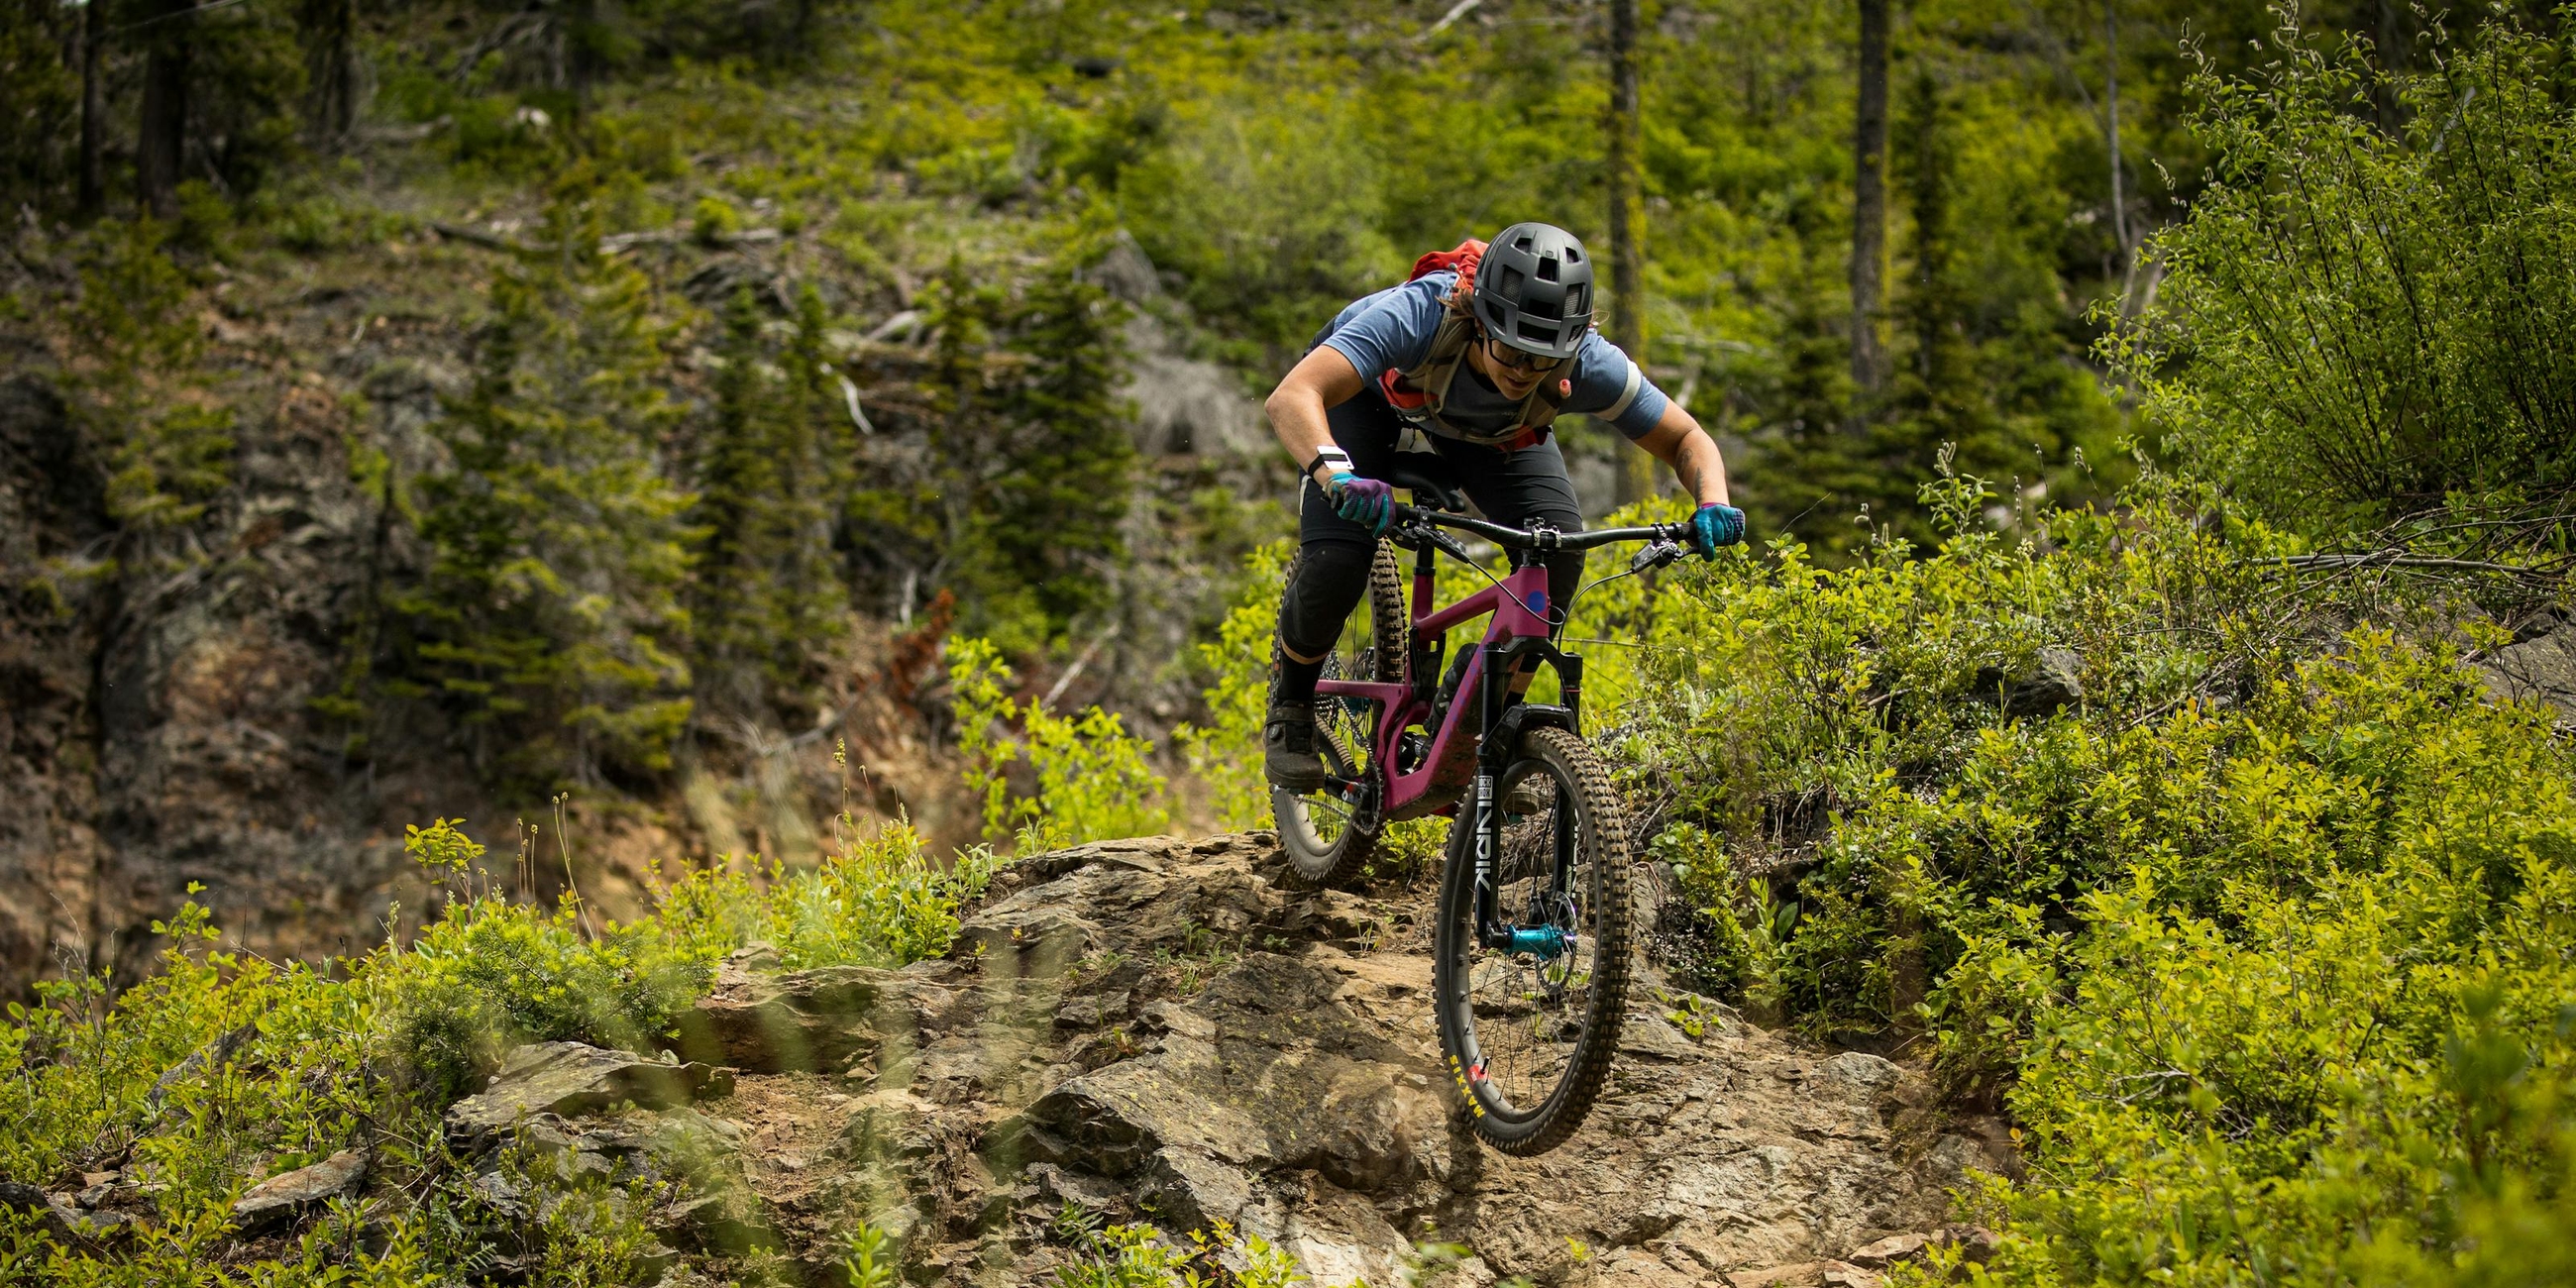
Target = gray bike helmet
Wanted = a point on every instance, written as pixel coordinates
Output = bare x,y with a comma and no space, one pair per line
1534,290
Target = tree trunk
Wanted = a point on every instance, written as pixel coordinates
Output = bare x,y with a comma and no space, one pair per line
2394,48
1627,227
330,71
1869,203
161,146
2111,100
93,123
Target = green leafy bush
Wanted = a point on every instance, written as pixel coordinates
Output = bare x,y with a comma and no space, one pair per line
878,900
2361,323
491,974
1224,756
2254,917
1094,779
223,1068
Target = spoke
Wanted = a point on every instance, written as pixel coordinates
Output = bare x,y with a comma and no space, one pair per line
1331,804
1531,1014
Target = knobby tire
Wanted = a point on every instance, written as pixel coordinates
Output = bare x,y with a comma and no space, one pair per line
1492,1112
1346,732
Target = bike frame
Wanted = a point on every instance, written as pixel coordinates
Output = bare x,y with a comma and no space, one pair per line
1518,607
1516,641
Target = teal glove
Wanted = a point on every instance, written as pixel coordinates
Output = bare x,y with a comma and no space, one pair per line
1368,501
1716,525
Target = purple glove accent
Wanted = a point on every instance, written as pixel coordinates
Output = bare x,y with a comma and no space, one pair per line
1716,525
1360,500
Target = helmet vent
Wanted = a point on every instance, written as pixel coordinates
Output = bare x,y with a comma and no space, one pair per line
1573,255
1547,268
1536,333
1512,283
1524,241
1543,308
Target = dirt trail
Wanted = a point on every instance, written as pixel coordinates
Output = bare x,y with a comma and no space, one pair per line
1162,1030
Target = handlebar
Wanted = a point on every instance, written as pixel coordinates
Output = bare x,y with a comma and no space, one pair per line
1541,538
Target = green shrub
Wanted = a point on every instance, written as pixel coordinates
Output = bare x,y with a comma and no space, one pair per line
878,901
218,1069
2360,324
714,221
1094,781
1225,756
491,974
2256,919
223,1068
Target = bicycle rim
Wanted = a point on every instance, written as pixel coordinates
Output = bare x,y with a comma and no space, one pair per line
1529,1036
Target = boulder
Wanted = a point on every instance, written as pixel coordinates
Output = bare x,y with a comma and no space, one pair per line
1192,1191
1890,1250
2053,681
806,1021
279,1198
570,1080
2541,669
58,1217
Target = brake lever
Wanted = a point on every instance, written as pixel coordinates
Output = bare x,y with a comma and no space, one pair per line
1655,555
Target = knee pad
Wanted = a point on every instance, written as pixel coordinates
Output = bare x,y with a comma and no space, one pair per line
1331,578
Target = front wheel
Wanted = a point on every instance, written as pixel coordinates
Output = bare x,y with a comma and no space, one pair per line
1528,1030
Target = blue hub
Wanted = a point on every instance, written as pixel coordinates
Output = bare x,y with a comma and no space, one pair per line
1547,943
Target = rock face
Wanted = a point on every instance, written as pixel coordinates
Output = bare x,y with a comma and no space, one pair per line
1160,1031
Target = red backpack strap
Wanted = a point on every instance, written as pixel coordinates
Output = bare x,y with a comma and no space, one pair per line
1397,396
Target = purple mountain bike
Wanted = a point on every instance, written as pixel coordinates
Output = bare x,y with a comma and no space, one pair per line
1531,966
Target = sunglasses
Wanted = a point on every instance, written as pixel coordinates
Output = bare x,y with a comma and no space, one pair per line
1506,356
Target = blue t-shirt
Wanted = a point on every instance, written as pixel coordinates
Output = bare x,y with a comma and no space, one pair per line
1392,330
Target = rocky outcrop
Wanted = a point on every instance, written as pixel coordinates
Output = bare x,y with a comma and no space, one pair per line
570,1080
2540,669
1160,1031
281,1197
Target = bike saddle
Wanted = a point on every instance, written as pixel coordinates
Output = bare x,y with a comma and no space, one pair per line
1423,485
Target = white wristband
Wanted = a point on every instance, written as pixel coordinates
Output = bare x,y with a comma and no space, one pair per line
1331,457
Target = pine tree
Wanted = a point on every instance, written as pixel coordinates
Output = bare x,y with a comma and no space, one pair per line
766,603
548,620
1060,507
1035,467
142,399
1936,396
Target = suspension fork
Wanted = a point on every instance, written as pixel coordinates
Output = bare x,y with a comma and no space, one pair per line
1485,812
1484,819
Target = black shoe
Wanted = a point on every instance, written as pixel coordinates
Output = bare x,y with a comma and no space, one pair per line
1288,756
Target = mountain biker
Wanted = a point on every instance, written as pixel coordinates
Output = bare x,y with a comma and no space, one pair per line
1480,358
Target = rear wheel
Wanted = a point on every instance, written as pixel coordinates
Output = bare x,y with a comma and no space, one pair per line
1330,832
1529,1031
